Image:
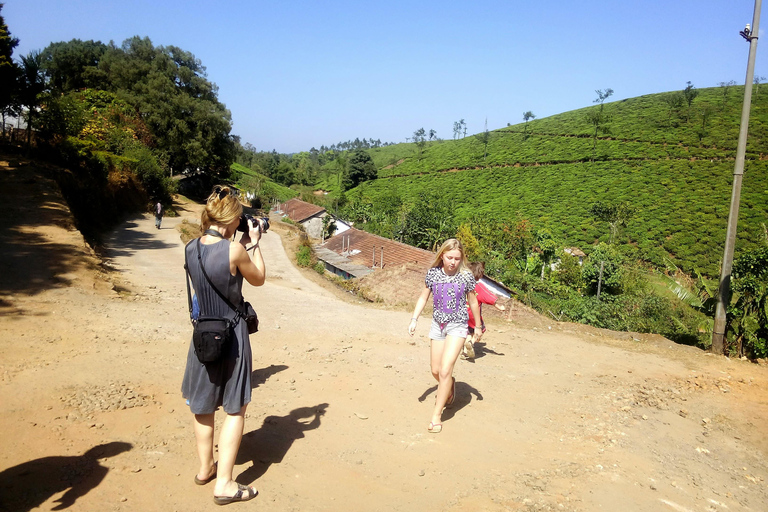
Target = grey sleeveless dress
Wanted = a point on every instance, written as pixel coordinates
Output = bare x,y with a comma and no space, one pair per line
225,383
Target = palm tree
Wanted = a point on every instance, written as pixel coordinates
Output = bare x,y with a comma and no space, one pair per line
32,83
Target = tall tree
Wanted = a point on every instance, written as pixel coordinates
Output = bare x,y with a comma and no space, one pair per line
726,86
757,80
430,221
484,138
9,72
32,86
420,138
73,65
169,87
361,167
546,246
527,116
597,118
689,93
616,215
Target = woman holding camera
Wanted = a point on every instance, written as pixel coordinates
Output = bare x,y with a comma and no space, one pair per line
225,382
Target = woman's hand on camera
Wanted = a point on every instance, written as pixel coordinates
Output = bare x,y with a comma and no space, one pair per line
254,231
252,235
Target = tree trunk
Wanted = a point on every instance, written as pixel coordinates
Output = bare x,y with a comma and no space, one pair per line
600,280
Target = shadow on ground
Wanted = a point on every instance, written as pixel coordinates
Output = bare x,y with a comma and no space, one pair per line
28,485
269,444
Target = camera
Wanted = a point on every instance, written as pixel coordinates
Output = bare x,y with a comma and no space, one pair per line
261,222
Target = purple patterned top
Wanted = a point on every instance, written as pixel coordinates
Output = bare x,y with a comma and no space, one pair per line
449,294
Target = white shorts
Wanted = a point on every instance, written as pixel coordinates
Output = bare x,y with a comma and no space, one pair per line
440,331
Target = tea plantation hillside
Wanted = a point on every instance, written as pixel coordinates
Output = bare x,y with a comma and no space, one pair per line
260,185
672,162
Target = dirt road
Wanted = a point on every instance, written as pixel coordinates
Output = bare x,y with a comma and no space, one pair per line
549,416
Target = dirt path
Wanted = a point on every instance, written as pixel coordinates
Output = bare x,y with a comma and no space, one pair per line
549,416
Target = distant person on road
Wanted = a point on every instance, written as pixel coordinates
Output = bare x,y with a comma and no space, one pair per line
158,214
484,296
226,382
453,287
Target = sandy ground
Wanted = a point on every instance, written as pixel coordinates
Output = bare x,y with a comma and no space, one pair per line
548,417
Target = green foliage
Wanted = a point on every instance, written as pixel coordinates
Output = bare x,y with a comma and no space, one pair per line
167,86
680,191
614,271
9,71
74,65
546,248
429,222
469,241
145,165
750,311
568,272
304,256
262,189
616,215
361,168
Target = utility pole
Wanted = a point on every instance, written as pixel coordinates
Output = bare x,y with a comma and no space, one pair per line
724,295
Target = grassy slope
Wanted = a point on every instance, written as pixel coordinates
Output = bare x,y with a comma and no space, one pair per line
245,177
677,173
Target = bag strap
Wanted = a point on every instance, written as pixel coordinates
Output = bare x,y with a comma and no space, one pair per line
186,279
221,295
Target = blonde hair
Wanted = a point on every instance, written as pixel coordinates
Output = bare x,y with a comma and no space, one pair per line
222,207
450,245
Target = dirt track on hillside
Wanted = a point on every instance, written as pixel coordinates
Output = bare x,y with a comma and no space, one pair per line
549,417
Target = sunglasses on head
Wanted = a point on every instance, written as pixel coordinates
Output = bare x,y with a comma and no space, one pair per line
221,191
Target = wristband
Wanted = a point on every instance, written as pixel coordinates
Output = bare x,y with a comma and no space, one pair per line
415,319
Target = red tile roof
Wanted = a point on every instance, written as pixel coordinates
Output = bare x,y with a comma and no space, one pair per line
395,253
299,211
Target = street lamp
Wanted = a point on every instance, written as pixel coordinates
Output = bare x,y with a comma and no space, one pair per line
724,295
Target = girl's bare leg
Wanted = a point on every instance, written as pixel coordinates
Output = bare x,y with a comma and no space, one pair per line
444,356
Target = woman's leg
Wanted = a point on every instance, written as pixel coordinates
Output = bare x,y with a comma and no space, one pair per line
229,443
444,356
204,438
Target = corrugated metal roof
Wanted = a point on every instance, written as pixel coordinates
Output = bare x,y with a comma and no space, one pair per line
341,262
299,211
359,247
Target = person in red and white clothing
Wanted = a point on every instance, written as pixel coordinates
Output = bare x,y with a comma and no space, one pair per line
484,296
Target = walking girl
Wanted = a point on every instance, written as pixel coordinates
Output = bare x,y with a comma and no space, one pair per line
215,262
452,286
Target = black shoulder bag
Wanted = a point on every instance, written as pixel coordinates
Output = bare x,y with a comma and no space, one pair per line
211,335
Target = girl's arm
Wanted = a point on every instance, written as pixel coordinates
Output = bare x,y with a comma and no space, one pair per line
423,298
474,306
500,307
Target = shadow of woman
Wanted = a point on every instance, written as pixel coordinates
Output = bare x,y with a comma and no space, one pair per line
269,444
464,394
28,485
261,375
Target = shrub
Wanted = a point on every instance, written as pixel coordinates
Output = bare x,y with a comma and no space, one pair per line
304,256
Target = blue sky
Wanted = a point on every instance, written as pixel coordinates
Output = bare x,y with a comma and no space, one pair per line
302,74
